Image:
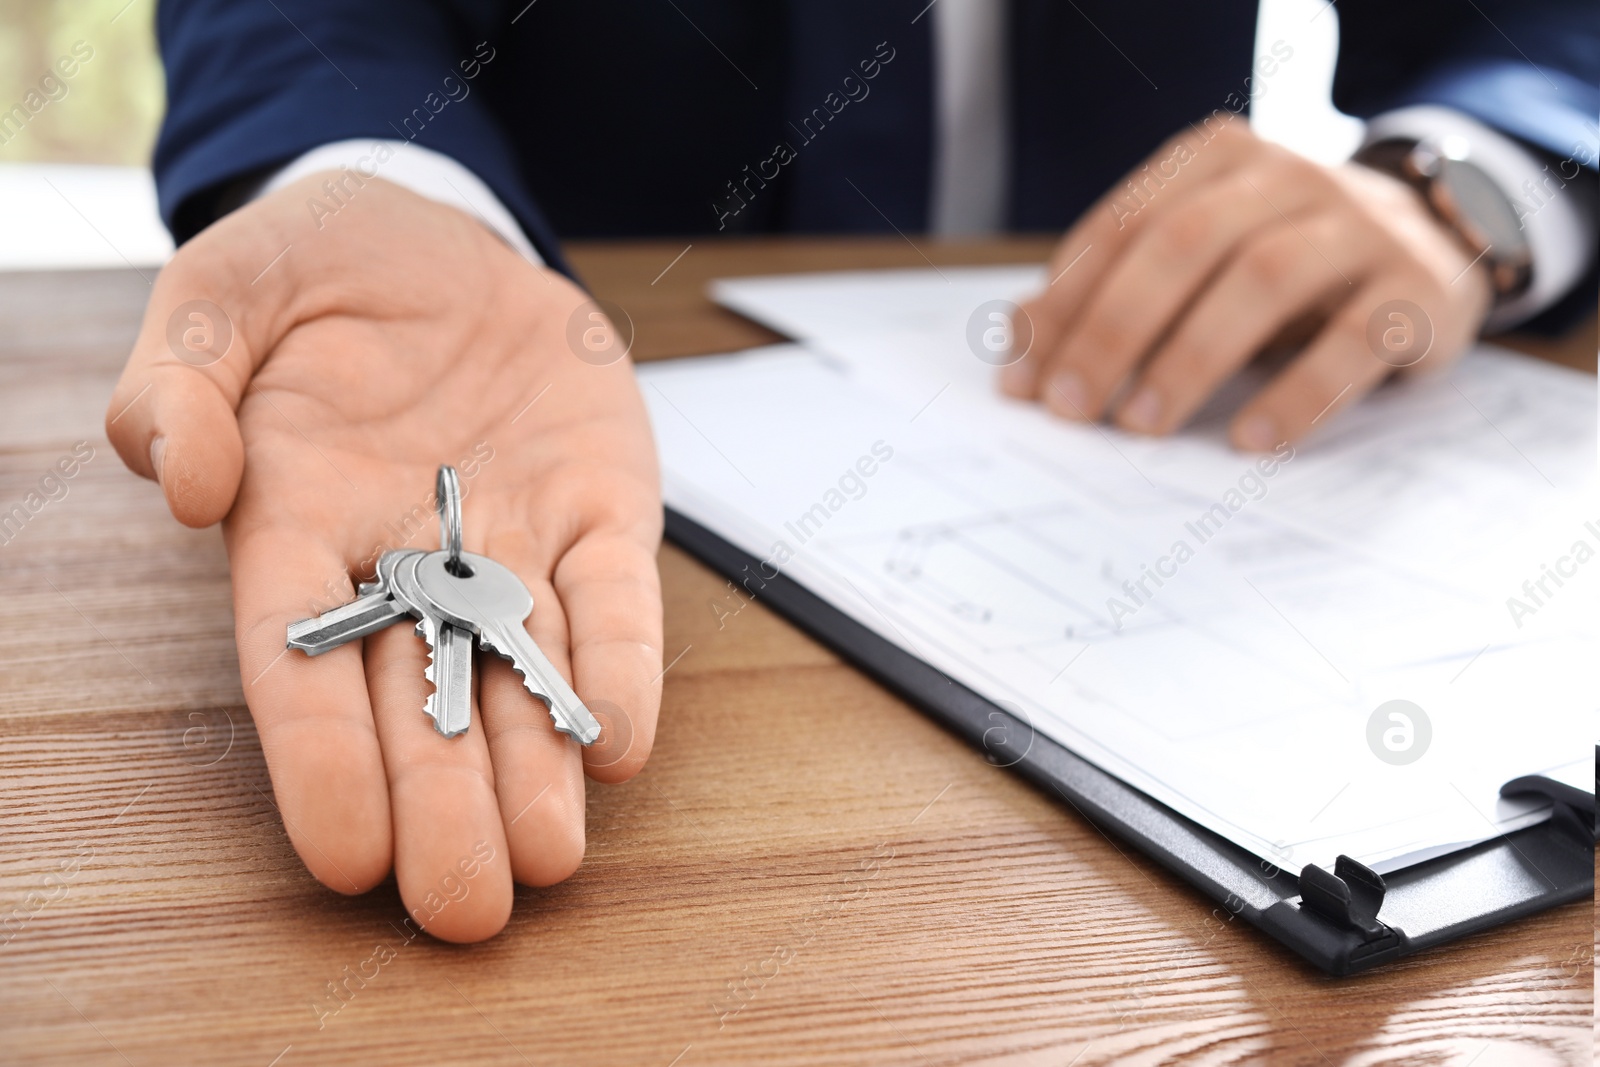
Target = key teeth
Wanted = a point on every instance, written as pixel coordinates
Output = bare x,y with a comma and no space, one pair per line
490,646
430,705
487,643
426,633
435,714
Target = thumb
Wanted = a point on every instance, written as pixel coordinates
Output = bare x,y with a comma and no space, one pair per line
180,430
173,416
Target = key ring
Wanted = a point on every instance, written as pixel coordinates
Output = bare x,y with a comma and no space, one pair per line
447,488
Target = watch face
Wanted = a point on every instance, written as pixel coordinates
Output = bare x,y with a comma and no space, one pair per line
1477,202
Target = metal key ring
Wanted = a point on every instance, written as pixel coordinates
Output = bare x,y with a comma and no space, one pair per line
448,489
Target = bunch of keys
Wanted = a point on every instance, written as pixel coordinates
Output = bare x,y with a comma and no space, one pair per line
454,596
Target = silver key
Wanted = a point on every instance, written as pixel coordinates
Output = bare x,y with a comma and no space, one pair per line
449,653
450,671
492,602
370,612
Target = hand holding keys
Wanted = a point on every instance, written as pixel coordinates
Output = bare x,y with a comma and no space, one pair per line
454,595
443,334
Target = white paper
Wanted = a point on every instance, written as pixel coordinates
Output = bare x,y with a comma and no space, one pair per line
848,303
994,541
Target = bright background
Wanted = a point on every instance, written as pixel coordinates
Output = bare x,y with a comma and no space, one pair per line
75,190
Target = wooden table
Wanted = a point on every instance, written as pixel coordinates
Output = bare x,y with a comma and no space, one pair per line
808,870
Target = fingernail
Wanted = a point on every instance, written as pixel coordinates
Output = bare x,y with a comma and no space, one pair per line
158,452
1143,411
1258,433
1068,395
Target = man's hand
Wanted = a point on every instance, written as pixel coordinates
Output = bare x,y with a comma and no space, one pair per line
396,335
1221,244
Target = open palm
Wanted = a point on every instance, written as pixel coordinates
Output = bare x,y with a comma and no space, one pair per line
399,336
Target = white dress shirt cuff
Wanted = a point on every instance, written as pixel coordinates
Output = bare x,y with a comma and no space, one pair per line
1560,226
422,170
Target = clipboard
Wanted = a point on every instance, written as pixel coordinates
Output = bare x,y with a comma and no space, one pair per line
1342,921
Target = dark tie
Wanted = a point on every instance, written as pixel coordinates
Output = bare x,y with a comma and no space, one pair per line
862,146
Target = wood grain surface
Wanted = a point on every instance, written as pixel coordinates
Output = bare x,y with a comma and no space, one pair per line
808,871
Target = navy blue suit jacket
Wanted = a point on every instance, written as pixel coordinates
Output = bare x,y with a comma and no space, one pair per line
657,117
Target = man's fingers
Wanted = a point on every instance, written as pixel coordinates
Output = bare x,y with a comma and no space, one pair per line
1276,277
1337,369
1188,160
611,591
596,533
538,778
538,772
312,714
449,847
1156,277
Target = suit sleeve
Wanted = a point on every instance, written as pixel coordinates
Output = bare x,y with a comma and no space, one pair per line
1529,68
253,85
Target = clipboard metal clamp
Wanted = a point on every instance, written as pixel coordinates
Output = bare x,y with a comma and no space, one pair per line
1349,898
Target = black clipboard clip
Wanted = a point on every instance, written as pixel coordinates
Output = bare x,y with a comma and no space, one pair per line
1349,898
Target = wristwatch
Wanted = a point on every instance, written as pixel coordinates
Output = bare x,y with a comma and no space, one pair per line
1463,196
